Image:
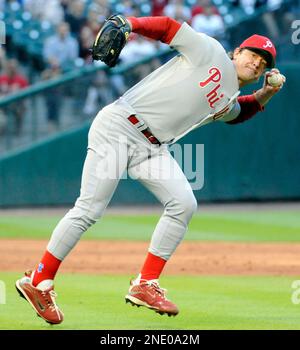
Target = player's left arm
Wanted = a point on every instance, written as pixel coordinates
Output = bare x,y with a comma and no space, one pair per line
250,105
264,95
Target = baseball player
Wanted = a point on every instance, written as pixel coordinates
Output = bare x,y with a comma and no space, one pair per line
198,86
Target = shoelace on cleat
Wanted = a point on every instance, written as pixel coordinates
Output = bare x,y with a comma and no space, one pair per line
158,289
51,303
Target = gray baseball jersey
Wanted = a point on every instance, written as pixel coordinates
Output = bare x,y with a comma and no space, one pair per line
196,87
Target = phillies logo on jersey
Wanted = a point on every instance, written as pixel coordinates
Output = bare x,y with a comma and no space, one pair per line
213,78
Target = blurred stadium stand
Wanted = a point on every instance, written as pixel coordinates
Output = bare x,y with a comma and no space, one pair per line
26,34
67,98
70,104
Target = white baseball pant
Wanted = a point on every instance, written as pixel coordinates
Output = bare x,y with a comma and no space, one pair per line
115,145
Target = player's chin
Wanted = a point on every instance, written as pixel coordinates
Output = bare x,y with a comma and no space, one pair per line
256,79
250,79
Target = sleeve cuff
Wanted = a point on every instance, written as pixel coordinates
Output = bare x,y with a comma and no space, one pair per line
134,22
259,106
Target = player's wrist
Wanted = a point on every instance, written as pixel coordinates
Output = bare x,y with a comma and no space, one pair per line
262,96
133,22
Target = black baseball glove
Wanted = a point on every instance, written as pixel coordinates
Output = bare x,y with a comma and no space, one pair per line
111,39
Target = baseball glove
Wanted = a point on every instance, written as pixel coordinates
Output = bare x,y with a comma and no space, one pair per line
111,39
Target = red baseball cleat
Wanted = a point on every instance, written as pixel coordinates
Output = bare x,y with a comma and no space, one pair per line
41,299
150,295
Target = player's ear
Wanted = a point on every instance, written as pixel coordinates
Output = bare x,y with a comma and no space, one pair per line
236,52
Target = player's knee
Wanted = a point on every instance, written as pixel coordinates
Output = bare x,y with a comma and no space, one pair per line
190,206
82,218
89,211
182,208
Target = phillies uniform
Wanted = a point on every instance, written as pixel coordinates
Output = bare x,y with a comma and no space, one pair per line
197,87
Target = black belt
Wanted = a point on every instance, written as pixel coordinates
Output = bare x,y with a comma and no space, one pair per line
146,131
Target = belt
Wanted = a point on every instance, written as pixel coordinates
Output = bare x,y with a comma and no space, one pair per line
140,125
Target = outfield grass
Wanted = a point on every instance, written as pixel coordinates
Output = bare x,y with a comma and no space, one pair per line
97,302
262,226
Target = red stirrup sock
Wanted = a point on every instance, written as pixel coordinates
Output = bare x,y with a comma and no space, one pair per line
152,267
46,269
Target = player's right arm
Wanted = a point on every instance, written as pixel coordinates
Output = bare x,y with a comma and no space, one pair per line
157,28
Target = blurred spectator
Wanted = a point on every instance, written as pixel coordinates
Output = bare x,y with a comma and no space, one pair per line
247,5
98,94
61,47
268,17
86,40
65,4
198,7
53,97
136,49
3,122
273,4
128,8
50,10
95,18
158,7
3,119
11,81
209,22
178,10
2,57
271,25
75,16
279,17
97,13
103,4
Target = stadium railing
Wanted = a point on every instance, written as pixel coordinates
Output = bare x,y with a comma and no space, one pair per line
68,93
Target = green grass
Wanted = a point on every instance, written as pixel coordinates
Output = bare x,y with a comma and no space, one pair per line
97,302
270,226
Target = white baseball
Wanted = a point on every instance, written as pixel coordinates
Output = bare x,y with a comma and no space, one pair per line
275,79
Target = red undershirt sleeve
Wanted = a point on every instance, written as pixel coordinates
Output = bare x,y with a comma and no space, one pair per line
249,107
158,28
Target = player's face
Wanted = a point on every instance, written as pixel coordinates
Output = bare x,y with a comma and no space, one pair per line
249,66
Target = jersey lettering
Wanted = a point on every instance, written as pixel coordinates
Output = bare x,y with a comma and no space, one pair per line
213,97
221,113
214,77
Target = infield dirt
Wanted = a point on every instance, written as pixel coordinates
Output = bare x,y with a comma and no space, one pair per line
191,258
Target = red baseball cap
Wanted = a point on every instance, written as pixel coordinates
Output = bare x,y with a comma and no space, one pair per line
263,46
